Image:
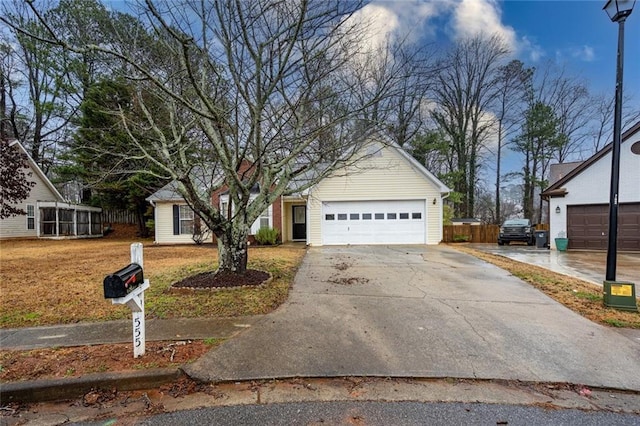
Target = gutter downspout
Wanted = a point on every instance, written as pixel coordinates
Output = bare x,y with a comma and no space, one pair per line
155,222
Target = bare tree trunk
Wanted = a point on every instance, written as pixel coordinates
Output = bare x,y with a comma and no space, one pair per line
232,250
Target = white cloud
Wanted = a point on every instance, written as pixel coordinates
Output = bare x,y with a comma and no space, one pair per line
475,17
380,22
530,49
584,53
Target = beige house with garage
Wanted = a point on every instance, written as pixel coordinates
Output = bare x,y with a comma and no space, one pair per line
387,197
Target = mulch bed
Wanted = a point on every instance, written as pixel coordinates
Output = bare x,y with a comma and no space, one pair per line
211,280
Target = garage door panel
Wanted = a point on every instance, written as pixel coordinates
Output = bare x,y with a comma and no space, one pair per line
588,226
374,222
629,227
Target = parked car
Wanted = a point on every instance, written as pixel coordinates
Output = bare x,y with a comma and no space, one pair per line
517,230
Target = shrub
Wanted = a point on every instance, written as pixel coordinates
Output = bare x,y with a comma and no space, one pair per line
461,238
200,232
267,236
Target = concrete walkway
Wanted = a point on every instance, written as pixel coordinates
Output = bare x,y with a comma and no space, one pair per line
422,312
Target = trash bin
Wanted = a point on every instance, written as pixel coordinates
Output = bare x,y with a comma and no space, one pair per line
542,239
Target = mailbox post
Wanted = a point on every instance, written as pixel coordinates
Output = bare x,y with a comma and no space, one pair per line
119,284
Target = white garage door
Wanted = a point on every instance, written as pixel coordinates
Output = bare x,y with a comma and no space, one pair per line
373,222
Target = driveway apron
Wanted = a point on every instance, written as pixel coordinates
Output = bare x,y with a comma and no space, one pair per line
420,311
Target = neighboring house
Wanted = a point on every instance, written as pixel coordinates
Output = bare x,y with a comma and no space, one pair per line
579,199
49,215
387,198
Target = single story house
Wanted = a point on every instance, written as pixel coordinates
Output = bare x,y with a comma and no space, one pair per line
49,215
579,198
389,198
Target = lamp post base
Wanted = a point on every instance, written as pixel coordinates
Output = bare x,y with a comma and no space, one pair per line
620,295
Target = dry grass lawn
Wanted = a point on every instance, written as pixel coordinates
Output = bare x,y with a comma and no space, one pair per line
44,282
580,296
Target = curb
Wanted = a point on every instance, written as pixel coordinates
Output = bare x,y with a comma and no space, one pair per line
59,389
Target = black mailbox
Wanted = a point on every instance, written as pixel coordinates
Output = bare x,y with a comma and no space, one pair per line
123,281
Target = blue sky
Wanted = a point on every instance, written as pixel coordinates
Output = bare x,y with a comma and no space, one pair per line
576,34
580,35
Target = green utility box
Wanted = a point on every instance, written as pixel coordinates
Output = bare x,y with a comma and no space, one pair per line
620,295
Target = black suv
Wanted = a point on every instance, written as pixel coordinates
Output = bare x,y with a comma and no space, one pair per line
517,230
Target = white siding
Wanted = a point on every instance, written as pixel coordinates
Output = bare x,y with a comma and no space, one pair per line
163,218
17,226
592,186
384,177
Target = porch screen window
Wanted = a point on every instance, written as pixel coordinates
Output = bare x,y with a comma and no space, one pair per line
31,216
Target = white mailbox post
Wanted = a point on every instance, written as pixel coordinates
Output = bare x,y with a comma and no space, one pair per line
135,301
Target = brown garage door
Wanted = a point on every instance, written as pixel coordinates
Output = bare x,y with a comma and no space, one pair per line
587,226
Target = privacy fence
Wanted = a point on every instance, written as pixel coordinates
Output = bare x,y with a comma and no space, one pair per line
119,216
476,233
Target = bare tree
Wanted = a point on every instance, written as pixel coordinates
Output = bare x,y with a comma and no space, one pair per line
601,130
572,105
40,118
409,103
251,91
512,82
465,90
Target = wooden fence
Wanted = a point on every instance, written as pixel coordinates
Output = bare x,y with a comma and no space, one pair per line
476,233
119,216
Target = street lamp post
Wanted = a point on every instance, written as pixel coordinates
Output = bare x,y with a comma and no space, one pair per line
618,11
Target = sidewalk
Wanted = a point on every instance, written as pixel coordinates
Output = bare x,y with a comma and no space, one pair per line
105,333
121,332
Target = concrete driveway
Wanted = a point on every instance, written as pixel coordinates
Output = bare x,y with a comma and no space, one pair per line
421,311
587,265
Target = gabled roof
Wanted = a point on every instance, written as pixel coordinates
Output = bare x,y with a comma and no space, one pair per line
556,188
444,189
34,167
204,178
170,192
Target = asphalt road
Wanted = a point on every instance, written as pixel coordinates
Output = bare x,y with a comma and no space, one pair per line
388,413
421,311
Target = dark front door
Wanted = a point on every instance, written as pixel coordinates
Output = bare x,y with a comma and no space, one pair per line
299,222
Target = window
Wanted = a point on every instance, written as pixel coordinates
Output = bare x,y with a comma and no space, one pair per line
379,216
342,216
224,209
391,215
416,215
264,221
366,216
354,216
404,215
329,217
31,216
186,220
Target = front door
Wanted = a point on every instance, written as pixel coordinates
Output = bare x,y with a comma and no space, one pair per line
299,222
